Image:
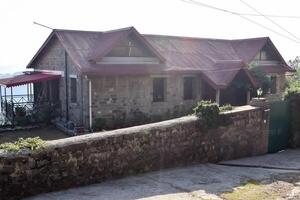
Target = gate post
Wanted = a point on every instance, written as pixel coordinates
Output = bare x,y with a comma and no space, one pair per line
264,106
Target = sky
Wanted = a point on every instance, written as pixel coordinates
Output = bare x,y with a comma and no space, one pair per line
20,38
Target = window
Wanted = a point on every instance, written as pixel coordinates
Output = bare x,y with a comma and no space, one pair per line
130,48
188,88
73,90
159,86
273,84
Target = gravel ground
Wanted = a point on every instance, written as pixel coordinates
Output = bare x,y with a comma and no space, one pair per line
46,133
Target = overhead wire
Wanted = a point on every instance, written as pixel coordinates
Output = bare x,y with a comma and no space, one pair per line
240,15
269,19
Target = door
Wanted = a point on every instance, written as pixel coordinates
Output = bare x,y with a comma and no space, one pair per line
278,128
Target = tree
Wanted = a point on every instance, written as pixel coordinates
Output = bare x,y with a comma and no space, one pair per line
295,63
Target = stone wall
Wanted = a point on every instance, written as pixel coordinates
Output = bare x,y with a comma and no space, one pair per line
294,119
129,100
100,156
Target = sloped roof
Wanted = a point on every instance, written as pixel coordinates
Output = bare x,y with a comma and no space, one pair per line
28,77
218,60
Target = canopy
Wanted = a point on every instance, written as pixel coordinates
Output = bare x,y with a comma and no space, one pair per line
28,77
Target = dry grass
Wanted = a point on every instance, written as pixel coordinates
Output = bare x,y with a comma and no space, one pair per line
252,190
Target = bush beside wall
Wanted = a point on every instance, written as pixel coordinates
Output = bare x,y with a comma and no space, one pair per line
96,157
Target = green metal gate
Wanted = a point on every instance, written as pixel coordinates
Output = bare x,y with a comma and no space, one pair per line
279,124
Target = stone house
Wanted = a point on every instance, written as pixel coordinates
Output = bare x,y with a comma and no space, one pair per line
121,77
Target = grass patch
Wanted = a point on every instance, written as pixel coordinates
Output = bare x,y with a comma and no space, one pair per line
252,190
32,144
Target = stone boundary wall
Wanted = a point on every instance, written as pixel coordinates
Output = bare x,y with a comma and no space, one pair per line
100,156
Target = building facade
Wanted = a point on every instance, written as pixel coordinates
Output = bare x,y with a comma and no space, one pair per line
121,78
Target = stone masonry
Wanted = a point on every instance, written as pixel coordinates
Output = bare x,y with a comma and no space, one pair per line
96,157
127,99
115,98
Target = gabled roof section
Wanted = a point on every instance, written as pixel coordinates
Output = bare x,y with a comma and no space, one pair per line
247,49
78,45
110,39
86,46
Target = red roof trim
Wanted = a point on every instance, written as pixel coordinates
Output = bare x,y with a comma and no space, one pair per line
28,78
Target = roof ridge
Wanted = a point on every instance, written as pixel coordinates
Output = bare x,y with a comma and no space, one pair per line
202,38
182,37
119,29
255,38
73,30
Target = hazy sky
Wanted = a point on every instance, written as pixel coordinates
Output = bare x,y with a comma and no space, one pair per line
20,39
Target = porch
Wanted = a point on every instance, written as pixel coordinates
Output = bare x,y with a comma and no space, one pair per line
26,107
237,90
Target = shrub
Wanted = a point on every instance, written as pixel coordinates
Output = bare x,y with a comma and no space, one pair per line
226,107
290,92
32,144
208,113
100,124
293,86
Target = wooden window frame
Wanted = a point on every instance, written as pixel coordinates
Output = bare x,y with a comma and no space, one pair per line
189,93
159,94
73,89
273,87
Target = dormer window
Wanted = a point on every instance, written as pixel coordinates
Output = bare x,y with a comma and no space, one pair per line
130,48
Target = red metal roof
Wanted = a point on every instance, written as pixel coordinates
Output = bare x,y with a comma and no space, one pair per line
28,77
218,60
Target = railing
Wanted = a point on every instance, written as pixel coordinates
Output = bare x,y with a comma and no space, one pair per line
9,103
23,108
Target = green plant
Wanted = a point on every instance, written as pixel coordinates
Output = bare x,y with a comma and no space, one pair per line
32,144
138,117
293,85
226,107
290,91
208,113
100,124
